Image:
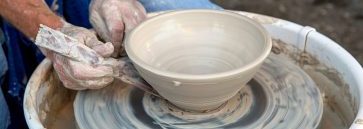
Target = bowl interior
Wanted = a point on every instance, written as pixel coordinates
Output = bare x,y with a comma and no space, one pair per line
198,42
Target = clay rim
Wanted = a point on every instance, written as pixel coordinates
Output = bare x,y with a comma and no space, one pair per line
135,59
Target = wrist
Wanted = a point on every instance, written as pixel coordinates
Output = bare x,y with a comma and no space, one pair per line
49,19
53,21
28,15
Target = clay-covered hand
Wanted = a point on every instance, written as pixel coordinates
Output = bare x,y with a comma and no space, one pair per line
80,62
112,18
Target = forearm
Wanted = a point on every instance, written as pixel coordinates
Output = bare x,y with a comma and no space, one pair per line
27,15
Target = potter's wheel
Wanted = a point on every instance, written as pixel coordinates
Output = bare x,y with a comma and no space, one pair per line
281,96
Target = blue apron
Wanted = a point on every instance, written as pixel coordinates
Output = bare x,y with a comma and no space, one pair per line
23,56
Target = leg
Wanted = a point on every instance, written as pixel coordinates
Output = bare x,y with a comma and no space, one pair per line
162,5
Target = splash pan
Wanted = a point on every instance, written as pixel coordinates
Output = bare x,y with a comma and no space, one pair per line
284,94
281,95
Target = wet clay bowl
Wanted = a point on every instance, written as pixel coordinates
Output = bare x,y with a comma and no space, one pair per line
198,59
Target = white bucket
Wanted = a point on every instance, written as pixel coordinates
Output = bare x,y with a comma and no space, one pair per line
44,97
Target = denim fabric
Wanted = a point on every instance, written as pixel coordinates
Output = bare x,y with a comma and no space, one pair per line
4,111
3,62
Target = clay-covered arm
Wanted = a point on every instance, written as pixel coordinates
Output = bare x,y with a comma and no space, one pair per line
27,15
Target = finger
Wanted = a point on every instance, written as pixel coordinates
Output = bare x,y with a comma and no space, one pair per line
69,82
77,33
93,31
81,71
83,53
113,19
74,84
115,26
142,11
89,39
133,15
117,34
116,30
105,50
80,80
96,83
59,66
129,18
99,24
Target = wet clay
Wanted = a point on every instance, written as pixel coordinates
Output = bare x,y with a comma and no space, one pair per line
340,105
56,108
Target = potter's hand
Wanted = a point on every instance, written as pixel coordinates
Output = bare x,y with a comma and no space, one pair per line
80,63
111,18
81,60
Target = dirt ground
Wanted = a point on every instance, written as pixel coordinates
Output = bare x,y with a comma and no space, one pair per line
341,20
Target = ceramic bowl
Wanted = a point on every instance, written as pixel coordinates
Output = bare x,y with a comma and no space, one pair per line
198,59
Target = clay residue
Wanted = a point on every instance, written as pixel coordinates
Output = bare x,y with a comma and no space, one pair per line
56,106
260,18
340,105
282,49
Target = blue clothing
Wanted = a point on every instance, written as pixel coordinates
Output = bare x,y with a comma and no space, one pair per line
4,111
23,56
162,5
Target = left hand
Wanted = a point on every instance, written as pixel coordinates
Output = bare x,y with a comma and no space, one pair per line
112,18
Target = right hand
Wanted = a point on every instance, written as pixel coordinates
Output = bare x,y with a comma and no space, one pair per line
91,73
82,62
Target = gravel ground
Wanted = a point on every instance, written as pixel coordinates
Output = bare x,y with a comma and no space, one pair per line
341,20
